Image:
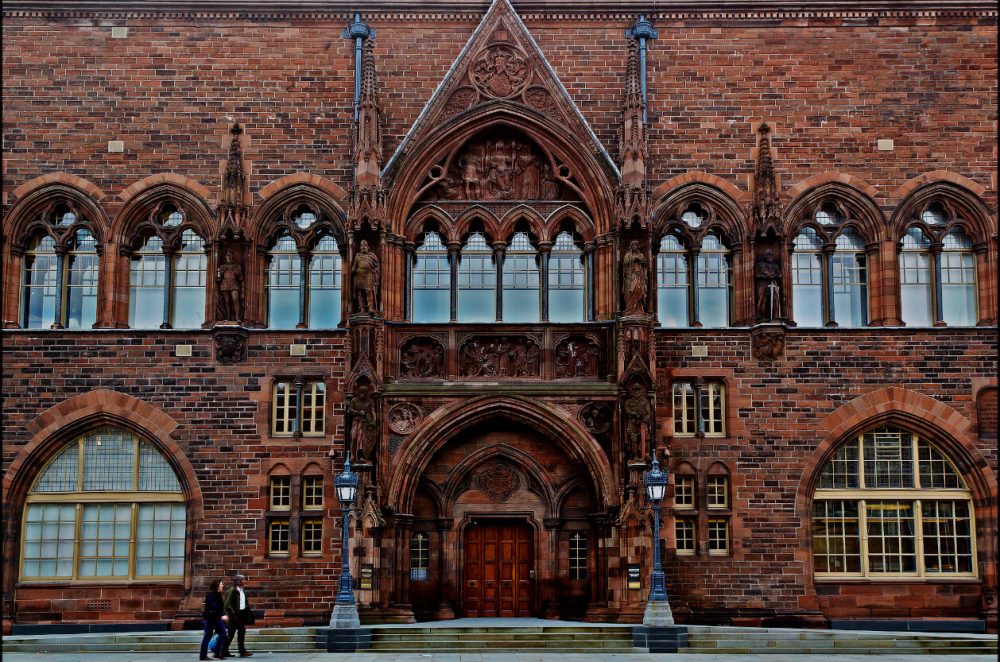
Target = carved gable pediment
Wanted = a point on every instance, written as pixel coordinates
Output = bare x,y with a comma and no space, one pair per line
501,64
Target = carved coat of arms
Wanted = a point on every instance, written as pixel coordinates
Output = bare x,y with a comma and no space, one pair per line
500,72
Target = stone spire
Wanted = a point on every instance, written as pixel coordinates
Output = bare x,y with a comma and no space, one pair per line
766,211
633,137
368,131
232,202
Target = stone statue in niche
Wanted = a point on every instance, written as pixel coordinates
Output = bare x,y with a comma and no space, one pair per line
637,412
421,357
635,279
767,281
364,429
499,357
577,357
365,274
229,283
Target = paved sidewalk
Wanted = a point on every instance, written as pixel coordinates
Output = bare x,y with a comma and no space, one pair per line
486,657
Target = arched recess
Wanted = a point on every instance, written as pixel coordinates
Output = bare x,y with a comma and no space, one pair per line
138,218
69,419
968,211
930,419
455,483
408,174
275,217
448,422
31,216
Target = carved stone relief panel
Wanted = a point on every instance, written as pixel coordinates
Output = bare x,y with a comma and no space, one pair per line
500,71
578,356
768,344
596,417
498,481
499,357
404,418
421,358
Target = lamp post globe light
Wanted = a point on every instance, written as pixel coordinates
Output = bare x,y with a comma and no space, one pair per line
345,611
658,613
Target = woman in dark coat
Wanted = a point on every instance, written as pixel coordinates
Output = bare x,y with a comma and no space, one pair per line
215,621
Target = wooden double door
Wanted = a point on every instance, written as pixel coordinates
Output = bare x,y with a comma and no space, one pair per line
497,571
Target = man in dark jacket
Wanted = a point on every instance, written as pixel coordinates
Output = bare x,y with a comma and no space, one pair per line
240,614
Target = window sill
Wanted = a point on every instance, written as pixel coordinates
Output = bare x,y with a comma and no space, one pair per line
278,555
84,583
909,579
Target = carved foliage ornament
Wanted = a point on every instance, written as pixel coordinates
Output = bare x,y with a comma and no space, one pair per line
404,418
501,357
498,481
500,71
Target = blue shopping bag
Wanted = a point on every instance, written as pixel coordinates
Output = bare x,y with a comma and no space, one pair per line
213,642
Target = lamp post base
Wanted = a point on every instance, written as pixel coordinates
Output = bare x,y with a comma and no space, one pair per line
345,617
658,614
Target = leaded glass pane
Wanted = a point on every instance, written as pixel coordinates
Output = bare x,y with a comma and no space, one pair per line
521,298
936,471
684,408
49,534
566,281
891,537
81,282
842,470
836,539
915,279
147,285
190,273
958,280
848,268
431,281
807,279
38,290
672,283
947,529
108,461
160,535
419,557
104,540
578,556
325,269
155,473
476,281
713,283
60,475
283,278
888,459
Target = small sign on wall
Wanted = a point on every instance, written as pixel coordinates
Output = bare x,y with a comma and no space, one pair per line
634,578
367,581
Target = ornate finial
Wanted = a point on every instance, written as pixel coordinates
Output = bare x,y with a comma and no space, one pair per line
232,204
765,190
633,86
369,76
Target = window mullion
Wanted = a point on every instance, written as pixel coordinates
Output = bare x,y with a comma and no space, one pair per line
76,541
132,536
168,286
861,462
863,535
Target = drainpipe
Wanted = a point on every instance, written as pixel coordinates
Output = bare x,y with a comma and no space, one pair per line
357,30
642,30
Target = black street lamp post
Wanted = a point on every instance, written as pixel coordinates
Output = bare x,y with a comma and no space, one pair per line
345,611
658,612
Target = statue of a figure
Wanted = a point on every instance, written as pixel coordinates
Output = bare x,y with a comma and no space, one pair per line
767,280
365,273
470,177
229,279
637,411
364,431
635,276
548,188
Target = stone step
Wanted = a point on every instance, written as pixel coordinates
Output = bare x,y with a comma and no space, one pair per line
496,649
602,629
719,640
473,643
496,636
162,647
836,651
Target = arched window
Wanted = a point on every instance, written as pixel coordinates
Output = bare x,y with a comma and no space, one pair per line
958,279
81,281
40,284
284,269
566,281
672,282
915,288
849,274
107,507
807,278
714,282
190,266
431,281
147,285
476,281
325,269
521,293
890,503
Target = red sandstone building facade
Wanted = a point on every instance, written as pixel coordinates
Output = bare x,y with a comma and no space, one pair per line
533,246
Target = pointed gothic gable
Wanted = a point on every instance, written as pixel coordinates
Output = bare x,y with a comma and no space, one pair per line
501,63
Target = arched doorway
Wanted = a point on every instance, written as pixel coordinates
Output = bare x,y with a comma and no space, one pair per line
502,510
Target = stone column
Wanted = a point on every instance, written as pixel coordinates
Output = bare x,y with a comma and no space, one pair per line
445,611
829,316
552,581
545,251
454,248
499,252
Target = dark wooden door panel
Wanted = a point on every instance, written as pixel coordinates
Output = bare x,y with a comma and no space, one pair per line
497,571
